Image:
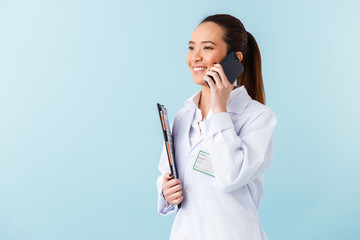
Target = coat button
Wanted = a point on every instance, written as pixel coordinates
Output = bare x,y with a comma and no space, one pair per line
188,188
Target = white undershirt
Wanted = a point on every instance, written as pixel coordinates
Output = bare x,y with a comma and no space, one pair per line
196,126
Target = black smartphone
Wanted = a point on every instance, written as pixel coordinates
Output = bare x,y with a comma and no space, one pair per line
232,67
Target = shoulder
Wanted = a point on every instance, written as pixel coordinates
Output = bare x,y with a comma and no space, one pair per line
254,116
241,104
188,108
180,118
257,109
180,114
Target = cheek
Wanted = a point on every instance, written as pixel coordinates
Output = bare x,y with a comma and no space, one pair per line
214,58
188,60
209,58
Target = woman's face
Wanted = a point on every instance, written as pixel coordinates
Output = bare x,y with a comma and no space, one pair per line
205,48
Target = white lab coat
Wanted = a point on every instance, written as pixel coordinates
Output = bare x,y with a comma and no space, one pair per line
240,145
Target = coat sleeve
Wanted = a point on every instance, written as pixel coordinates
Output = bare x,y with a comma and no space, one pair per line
238,158
163,207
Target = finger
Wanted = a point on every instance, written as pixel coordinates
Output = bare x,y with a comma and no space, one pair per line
209,81
171,190
175,195
168,193
171,183
219,70
168,176
177,201
216,70
216,77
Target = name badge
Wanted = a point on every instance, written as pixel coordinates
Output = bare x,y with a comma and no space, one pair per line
203,164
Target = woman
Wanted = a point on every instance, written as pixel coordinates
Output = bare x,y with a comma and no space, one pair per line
222,139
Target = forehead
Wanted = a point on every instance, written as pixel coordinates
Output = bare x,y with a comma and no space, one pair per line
207,31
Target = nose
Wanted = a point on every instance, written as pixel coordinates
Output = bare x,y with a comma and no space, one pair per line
196,56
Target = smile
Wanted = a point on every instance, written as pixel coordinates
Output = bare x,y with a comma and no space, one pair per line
199,69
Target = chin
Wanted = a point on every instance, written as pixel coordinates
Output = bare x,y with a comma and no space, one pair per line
199,81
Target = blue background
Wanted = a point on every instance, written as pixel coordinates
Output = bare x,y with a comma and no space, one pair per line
79,131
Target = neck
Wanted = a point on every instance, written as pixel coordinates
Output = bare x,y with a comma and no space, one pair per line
205,101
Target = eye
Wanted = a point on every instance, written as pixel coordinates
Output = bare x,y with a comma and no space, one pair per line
191,48
208,48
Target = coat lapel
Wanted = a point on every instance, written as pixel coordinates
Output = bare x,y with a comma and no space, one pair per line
189,116
185,123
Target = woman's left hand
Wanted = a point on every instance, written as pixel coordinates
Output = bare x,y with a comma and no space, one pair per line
220,90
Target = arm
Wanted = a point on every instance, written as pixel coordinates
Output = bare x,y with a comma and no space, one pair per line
237,160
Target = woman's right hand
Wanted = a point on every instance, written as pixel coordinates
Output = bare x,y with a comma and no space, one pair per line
172,189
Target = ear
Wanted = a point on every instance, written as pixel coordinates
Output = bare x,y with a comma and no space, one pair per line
239,55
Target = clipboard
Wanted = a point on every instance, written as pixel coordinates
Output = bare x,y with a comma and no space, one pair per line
169,141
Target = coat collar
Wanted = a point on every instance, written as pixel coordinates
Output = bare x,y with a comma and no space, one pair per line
238,100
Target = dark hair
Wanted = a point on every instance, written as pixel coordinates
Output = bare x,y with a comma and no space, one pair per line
238,39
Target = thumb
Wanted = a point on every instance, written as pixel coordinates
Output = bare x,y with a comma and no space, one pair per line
168,176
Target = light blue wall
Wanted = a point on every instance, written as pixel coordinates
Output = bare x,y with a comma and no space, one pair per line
79,131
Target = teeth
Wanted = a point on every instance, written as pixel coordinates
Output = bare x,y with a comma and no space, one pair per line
199,68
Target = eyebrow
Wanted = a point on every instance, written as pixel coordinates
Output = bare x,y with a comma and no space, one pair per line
203,42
